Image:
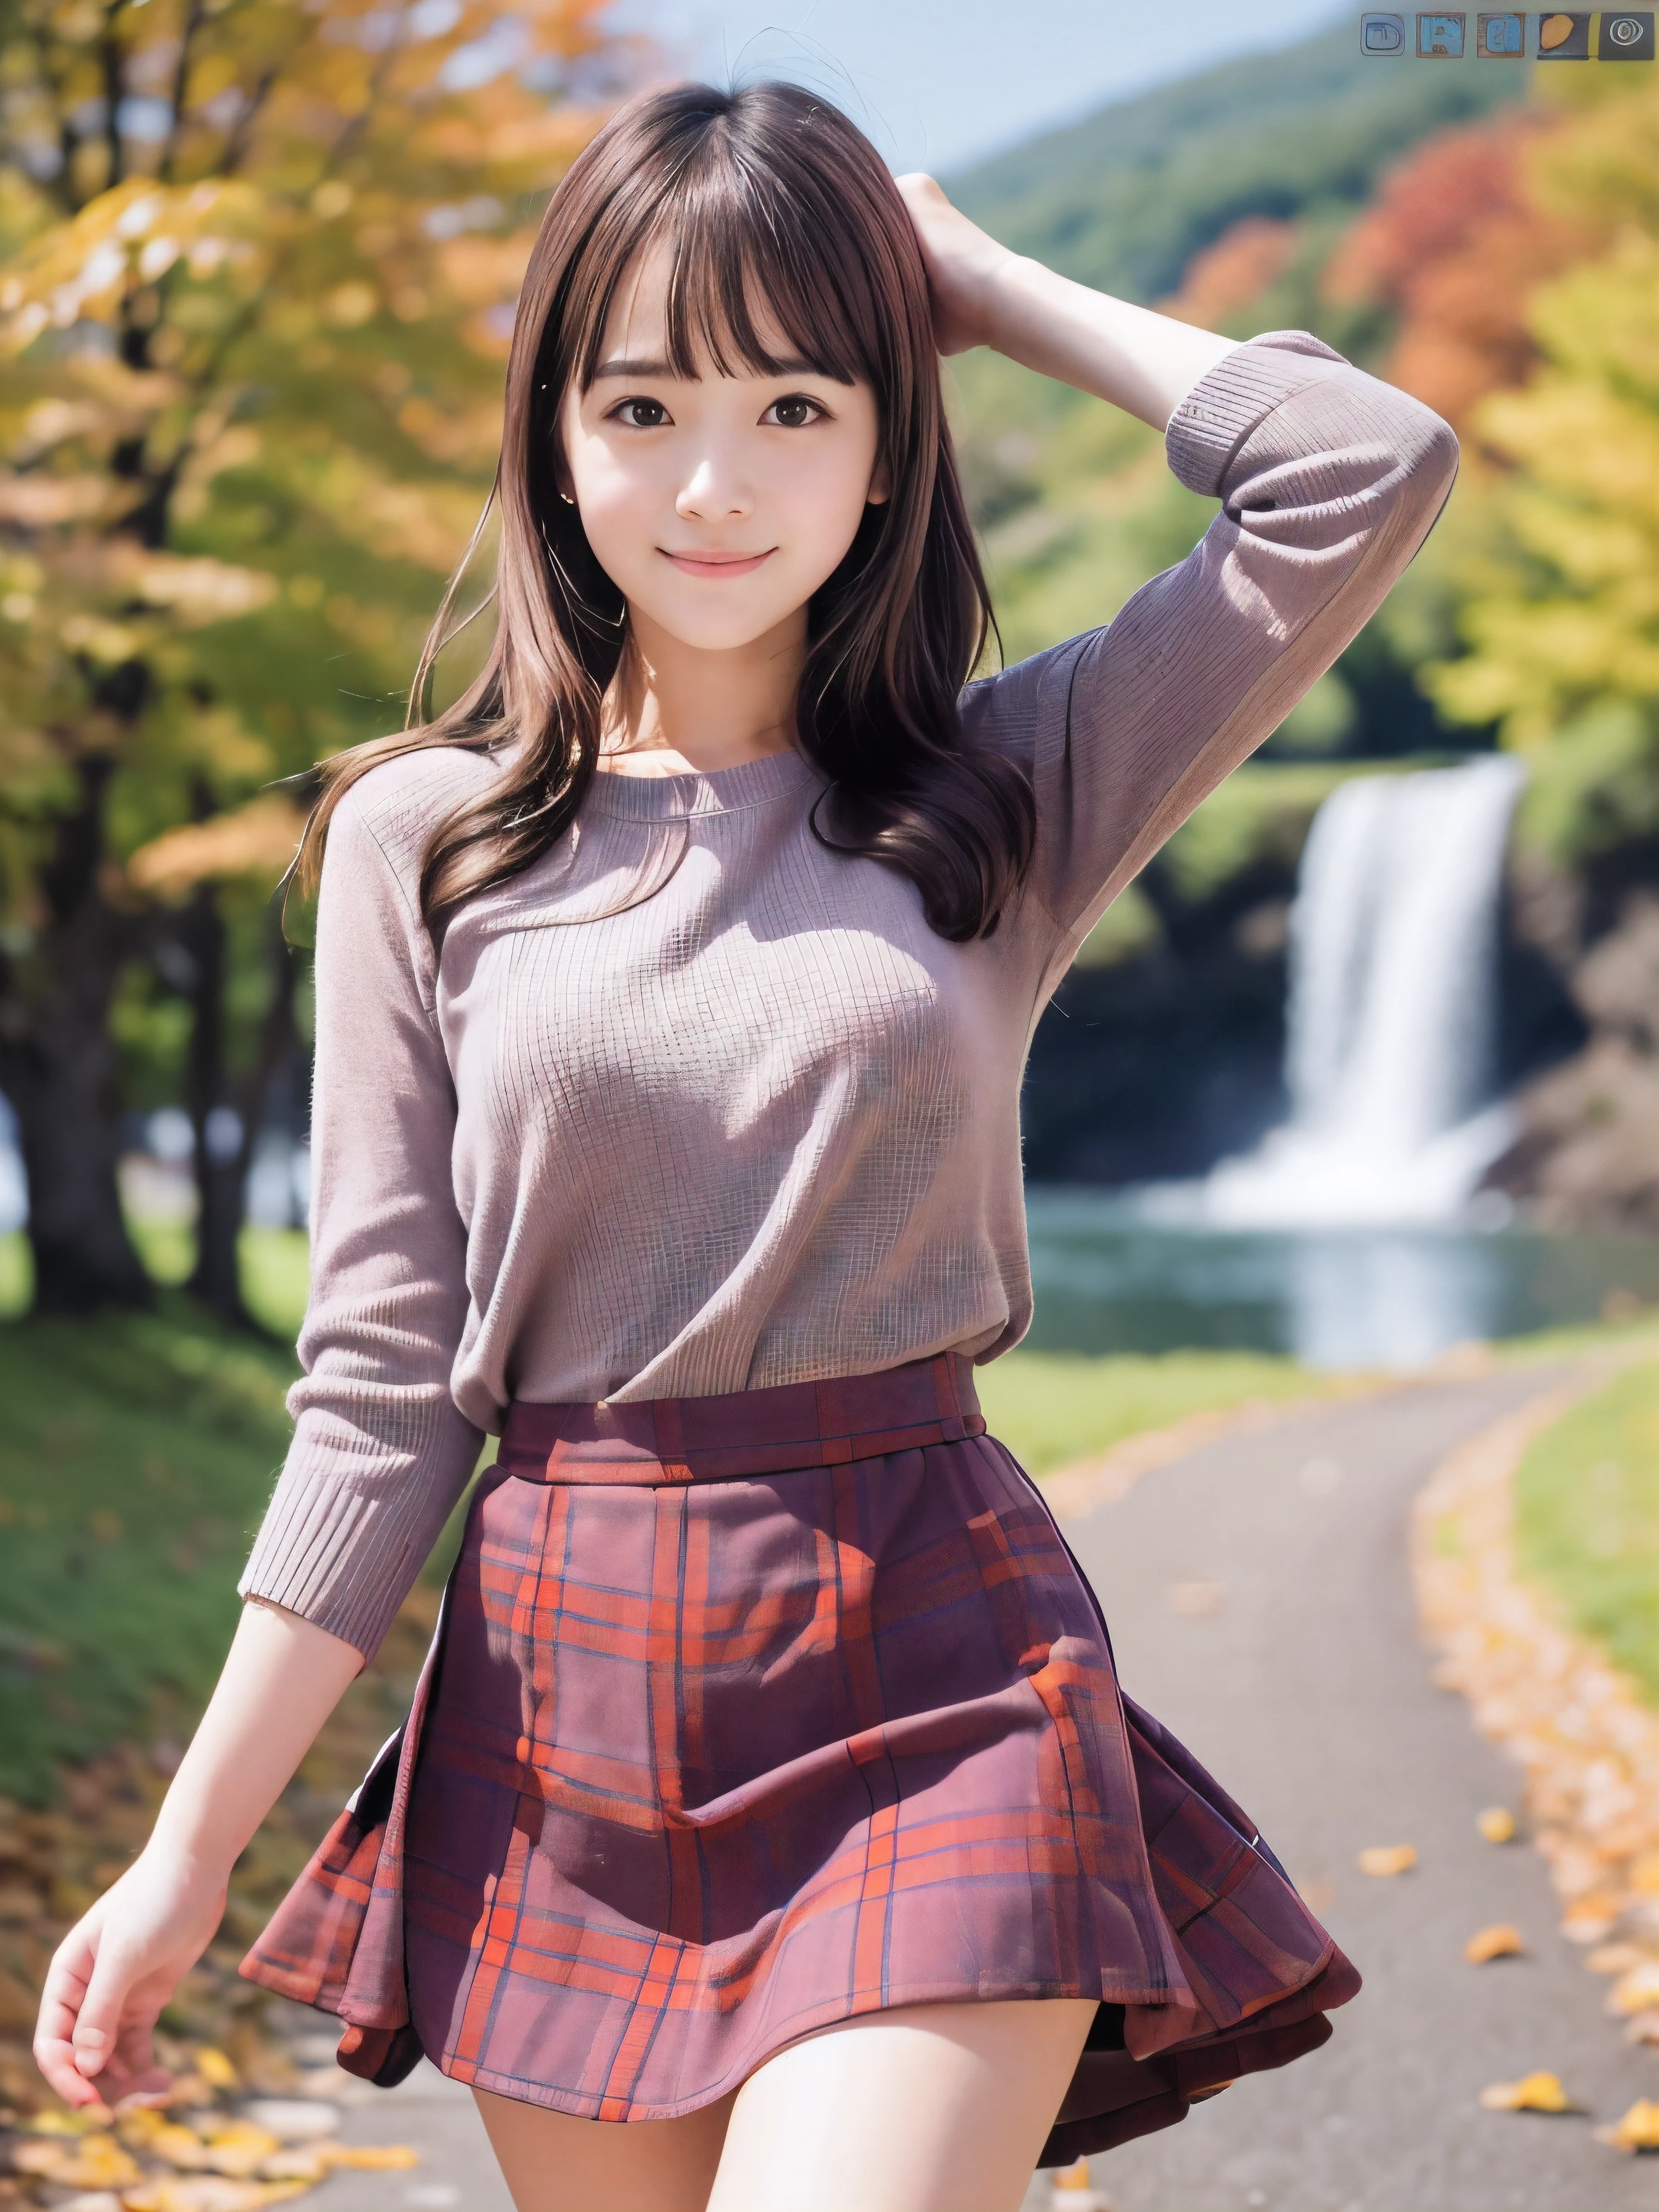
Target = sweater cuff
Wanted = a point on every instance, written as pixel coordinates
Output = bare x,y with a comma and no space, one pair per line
341,1550
1228,401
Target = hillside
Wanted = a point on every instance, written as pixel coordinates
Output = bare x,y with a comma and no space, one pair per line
1124,198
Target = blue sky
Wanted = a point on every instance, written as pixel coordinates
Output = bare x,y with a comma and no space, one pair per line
938,84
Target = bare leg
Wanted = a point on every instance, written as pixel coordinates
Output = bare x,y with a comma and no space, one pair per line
553,2163
934,2108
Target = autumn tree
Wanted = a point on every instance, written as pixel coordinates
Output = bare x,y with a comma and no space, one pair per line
1559,623
258,267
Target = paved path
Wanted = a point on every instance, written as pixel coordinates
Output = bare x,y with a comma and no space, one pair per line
1309,1694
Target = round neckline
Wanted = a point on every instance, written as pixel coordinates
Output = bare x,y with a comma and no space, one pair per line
700,791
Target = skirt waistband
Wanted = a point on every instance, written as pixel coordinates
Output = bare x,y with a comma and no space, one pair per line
655,1442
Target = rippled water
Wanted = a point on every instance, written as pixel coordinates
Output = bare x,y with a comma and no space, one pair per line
1107,1280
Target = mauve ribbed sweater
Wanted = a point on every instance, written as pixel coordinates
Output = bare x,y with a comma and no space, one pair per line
761,1125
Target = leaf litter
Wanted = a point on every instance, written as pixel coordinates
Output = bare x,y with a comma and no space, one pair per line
1587,1741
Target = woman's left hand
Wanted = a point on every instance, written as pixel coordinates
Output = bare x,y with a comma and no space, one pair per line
965,267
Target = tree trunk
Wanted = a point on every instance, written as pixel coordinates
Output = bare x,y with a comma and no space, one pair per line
221,1173
59,1068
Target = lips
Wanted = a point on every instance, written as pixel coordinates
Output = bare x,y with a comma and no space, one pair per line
714,565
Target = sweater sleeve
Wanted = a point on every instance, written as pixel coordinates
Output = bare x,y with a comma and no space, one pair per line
1329,480
380,1452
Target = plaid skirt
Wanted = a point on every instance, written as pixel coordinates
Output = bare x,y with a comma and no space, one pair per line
750,1714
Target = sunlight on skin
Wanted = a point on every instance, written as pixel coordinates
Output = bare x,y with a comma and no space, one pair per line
717,506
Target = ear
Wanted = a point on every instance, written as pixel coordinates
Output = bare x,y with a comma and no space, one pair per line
881,489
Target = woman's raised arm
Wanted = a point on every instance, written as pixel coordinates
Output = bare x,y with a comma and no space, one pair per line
1328,480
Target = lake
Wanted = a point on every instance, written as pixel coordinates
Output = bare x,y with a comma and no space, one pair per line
1109,1280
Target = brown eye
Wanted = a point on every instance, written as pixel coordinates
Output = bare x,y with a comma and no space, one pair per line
641,414
793,413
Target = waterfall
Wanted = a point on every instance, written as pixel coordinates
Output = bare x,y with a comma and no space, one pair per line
1393,939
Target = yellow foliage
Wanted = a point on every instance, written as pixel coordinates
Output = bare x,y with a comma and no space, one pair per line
256,840
1383,1860
1500,1941
205,339
1575,620
1533,2093
1559,619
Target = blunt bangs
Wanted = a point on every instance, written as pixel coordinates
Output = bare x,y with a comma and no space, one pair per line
759,251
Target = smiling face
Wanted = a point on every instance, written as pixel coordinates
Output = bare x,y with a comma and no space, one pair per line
717,504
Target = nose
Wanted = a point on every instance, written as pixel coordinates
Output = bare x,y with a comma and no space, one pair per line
715,491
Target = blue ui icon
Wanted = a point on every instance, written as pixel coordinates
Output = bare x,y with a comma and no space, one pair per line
1383,35
1440,37
1500,38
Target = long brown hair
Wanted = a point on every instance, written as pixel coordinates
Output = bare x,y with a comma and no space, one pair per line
766,195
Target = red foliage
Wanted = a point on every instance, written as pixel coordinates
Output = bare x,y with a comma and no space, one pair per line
1454,242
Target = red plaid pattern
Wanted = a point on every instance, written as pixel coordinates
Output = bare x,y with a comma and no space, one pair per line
750,1715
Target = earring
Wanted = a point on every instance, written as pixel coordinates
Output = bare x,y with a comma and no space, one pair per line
567,500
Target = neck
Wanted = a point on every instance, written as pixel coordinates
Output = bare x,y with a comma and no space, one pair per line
674,706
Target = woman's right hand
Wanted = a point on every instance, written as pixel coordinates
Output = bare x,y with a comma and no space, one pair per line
113,1973
119,1963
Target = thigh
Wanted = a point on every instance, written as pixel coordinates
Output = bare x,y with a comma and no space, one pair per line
931,2108
553,2163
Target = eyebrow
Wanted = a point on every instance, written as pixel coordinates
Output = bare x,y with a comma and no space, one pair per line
665,370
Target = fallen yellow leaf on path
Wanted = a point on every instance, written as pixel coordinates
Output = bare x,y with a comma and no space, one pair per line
180,2145
302,2162
1637,2130
1613,1958
210,2192
96,2161
371,2157
1532,2093
1590,1919
1635,1991
1384,1859
216,2068
1498,1942
1496,1824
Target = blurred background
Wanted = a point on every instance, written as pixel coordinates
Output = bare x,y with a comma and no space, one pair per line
1365,1067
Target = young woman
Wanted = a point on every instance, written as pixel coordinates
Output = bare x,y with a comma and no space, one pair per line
769,1833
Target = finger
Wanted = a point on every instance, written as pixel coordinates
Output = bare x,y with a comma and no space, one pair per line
61,2001
134,2062
98,2024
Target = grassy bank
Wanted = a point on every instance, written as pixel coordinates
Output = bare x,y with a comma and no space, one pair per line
1050,1408
136,1454
1587,1519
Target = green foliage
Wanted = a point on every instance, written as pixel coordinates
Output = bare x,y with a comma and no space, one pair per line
1123,199
1587,1519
